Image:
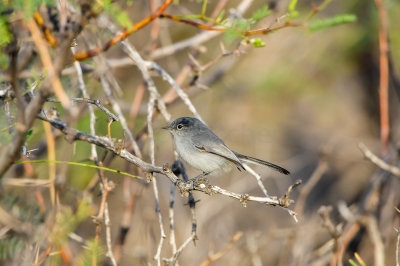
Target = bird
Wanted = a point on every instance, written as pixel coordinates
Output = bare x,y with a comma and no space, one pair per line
201,148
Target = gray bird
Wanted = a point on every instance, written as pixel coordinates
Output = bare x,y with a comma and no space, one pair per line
197,145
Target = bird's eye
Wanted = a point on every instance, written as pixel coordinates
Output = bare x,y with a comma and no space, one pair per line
179,126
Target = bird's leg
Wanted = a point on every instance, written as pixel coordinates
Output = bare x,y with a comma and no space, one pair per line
200,176
195,179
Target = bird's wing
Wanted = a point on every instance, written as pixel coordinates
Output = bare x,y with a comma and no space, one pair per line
223,151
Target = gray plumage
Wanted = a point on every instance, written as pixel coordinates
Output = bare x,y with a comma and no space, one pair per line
202,149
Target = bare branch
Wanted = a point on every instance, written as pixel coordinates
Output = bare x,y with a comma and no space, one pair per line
171,81
379,162
89,101
177,253
376,238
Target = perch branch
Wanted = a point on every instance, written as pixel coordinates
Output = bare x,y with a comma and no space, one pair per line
200,184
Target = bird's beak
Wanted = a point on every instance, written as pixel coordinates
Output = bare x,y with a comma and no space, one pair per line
167,127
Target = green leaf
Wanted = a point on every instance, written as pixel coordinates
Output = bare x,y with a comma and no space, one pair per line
220,15
261,13
292,9
5,35
330,22
352,262
257,42
92,255
121,16
28,7
3,60
66,221
238,26
84,210
28,136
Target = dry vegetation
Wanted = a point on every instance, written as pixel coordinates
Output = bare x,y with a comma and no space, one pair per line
89,178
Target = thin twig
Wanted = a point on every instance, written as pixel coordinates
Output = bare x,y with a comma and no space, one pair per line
88,101
173,260
185,98
51,150
94,155
141,64
377,161
258,178
107,223
199,38
46,60
398,243
219,254
118,111
334,231
26,182
121,36
150,110
306,189
376,238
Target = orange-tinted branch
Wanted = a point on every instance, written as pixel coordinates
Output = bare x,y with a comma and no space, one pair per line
223,29
383,75
53,41
192,23
160,13
123,35
272,29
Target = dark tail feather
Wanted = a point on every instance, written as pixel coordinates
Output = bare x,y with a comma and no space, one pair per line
253,160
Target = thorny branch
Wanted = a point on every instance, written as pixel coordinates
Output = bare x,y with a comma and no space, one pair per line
200,184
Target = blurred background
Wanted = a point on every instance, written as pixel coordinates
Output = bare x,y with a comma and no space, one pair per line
304,101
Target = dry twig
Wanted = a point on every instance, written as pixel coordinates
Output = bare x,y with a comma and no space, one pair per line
377,161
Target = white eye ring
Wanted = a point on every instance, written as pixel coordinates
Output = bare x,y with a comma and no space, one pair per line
179,126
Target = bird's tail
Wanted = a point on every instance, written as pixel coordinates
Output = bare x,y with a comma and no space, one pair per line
252,160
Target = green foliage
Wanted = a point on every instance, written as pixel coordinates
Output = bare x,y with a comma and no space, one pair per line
330,22
238,26
29,135
261,13
241,24
11,246
117,13
204,8
67,221
353,263
28,7
292,9
257,42
220,16
5,35
92,255
3,60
